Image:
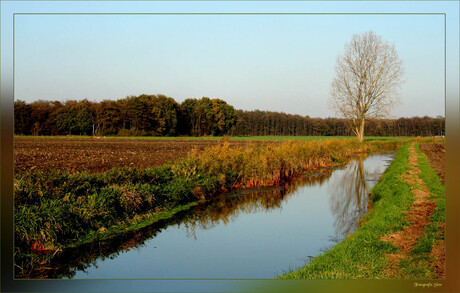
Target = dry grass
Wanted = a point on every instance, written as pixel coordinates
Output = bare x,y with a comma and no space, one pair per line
267,164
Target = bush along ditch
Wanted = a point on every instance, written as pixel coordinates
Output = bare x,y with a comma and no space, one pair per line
55,210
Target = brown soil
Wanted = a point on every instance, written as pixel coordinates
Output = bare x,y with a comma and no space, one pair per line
418,214
436,158
438,253
101,154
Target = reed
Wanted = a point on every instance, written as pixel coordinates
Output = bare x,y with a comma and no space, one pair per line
54,210
264,165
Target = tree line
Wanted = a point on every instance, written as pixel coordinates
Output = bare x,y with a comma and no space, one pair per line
275,123
159,115
144,115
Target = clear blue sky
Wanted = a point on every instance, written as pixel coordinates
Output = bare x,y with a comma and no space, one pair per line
267,62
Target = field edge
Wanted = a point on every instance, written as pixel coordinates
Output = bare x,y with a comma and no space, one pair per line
365,254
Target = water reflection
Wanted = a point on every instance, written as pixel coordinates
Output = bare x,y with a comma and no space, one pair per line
225,208
229,206
67,263
345,192
348,189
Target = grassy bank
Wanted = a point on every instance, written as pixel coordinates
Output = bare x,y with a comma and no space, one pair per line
422,263
363,255
58,210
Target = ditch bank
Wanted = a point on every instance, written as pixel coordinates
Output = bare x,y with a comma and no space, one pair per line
402,235
55,211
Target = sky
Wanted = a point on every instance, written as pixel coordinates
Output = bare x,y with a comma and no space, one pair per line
270,62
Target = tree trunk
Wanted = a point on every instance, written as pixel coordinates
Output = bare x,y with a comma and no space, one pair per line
360,130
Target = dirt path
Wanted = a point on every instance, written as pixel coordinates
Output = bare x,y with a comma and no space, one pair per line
418,215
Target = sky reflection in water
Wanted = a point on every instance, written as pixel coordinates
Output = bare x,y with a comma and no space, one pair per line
241,235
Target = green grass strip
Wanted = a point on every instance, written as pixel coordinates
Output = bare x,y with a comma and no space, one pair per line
146,220
362,254
255,138
420,264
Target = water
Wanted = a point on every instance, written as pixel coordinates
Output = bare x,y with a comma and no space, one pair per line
242,235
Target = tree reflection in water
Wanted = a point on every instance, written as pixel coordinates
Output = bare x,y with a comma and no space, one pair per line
348,202
224,208
227,207
348,190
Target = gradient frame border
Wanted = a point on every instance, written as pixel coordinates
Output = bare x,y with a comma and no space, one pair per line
9,284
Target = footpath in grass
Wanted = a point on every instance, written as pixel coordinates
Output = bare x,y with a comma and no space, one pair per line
401,237
58,210
426,258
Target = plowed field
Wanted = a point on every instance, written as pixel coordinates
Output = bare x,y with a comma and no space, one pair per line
436,158
101,154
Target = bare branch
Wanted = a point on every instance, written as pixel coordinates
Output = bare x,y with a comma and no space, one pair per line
368,77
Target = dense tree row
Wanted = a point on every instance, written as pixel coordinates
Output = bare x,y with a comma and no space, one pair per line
158,115
275,123
155,115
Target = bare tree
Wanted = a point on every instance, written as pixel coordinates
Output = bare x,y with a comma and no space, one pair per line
368,77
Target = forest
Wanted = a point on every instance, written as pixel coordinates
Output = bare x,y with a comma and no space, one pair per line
159,115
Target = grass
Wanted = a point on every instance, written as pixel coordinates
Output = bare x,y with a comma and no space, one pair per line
57,210
420,264
254,138
363,255
133,225
268,165
30,263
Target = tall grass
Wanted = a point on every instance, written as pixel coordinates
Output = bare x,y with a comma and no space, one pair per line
268,164
55,210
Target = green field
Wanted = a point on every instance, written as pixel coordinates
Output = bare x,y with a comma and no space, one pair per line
256,138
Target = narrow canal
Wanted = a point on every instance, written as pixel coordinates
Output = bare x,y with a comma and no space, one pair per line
250,234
